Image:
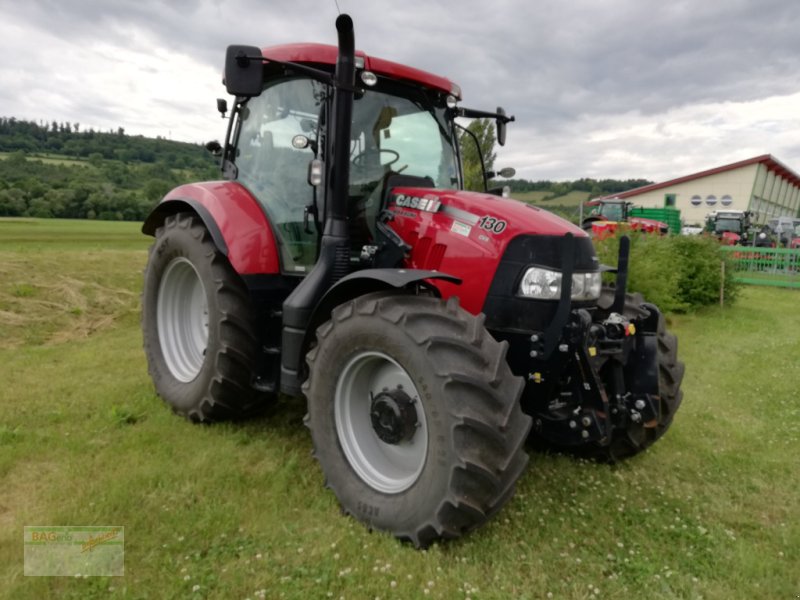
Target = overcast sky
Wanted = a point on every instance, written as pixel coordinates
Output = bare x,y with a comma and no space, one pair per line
618,88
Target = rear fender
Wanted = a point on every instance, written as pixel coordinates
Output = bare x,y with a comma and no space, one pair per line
238,226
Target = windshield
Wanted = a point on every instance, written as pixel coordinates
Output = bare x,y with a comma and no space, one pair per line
734,225
393,133
612,211
396,130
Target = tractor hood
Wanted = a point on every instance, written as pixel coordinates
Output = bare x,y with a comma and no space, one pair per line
649,225
470,235
486,213
730,238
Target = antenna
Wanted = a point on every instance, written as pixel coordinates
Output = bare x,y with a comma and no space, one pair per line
339,10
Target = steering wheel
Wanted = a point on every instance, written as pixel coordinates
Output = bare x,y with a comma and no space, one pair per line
360,156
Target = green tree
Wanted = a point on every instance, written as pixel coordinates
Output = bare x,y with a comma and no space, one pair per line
12,203
470,159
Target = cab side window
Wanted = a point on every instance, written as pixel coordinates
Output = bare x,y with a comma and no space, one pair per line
274,171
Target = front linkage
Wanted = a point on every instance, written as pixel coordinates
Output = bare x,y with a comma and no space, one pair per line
595,371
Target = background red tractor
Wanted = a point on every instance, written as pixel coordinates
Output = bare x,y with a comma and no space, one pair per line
605,217
731,227
431,330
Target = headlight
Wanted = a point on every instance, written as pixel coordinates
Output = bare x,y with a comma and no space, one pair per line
544,284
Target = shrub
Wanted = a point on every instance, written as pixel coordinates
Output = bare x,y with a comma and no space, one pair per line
677,273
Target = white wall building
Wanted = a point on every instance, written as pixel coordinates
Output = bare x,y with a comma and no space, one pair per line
761,184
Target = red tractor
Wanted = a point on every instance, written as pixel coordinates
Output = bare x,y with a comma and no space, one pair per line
605,216
432,331
731,227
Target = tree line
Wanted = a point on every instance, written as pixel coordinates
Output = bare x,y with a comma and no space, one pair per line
59,170
595,187
94,189
68,139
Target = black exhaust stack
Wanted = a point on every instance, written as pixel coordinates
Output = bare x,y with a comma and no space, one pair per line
339,158
334,256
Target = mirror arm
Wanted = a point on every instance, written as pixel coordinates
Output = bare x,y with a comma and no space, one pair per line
471,113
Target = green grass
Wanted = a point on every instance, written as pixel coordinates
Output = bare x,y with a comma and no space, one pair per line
710,511
52,159
531,197
539,198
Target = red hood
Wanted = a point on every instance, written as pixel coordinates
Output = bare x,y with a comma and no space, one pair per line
649,223
465,234
729,238
636,222
521,217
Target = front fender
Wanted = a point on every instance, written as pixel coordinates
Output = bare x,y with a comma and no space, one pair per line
364,282
237,224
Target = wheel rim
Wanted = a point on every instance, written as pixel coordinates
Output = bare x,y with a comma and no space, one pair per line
385,467
182,317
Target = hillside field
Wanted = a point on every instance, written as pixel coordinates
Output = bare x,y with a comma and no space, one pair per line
240,511
570,199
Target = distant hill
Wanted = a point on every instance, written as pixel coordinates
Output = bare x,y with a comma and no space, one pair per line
545,191
58,170
68,140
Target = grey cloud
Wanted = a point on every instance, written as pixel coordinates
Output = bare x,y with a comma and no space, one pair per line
557,66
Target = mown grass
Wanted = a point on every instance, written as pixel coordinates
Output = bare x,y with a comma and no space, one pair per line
240,511
62,280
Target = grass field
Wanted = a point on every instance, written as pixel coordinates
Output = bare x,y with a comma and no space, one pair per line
572,199
52,159
239,510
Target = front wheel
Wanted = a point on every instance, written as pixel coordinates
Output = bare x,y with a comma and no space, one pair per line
415,416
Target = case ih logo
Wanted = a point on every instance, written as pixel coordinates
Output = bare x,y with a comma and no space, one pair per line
428,203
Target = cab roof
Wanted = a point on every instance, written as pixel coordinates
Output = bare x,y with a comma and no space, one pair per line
324,54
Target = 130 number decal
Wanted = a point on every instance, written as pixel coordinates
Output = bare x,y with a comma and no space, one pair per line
492,224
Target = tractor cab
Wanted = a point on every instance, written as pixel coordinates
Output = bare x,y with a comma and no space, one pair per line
609,210
606,215
280,143
730,226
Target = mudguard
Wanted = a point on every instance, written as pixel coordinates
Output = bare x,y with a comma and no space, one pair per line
351,286
373,280
237,224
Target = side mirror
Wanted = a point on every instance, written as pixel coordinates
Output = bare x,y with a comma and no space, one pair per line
214,148
501,127
222,106
244,71
507,172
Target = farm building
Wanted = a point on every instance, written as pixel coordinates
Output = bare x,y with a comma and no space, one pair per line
761,184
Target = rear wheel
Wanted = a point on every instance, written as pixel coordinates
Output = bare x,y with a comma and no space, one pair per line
415,416
198,325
